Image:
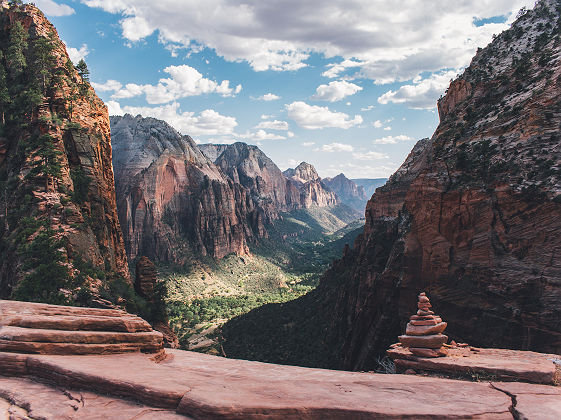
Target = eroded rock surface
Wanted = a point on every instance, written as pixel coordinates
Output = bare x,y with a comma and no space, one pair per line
52,329
172,200
348,192
71,198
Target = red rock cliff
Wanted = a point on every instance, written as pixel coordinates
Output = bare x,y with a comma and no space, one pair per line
473,217
173,201
55,160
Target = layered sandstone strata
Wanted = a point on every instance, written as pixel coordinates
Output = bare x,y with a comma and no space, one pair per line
51,329
173,201
71,198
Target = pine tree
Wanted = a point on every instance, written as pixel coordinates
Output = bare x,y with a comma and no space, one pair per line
83,71
17,45
4,94
42,62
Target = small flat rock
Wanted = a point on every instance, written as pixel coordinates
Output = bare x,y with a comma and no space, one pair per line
423,341
511,365
425,329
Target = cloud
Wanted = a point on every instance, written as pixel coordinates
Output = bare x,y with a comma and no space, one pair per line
206,123
375,39
367,108
314,117
185,81
422,94
267,97
266,117
261,135
371,155
378,124
273,125
392,139
50,8
76,54
335,147
109,86
335,91
308,143
354,169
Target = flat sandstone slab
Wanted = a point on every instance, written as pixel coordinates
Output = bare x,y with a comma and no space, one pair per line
204,386
512,365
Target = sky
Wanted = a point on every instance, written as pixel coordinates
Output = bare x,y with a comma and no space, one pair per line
346,85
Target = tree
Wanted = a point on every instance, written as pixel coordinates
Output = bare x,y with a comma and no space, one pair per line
83,71
4,94
42,62
15,57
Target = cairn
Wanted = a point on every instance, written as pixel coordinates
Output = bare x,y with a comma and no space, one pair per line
423,335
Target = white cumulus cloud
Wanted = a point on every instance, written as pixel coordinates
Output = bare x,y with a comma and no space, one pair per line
314,117
206,123
267,97
77,54
371,155
335,147
422,93
383,41
392,139
335,91
184,81
51,8
273,125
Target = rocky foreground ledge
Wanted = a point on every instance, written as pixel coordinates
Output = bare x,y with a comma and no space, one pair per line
93,382
208,387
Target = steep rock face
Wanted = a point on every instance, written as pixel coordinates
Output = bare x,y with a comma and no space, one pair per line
472,217
473,213
350,193
312,190
249,166
172,200
57,195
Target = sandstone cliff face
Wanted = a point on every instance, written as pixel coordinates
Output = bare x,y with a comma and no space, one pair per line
173,201
310,186
348,192
273,191
55,163
472,217
248,166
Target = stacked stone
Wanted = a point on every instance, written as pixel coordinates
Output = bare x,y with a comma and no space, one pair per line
423,333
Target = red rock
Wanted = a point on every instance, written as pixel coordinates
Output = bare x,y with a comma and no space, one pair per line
421,312
410,372
428,341
82,139
425,329
205,386
509,365
434,321
428,352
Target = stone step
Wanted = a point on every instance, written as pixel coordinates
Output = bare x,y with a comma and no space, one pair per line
9,333
12,307
75,349
130,323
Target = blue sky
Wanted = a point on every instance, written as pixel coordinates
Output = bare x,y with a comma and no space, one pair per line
347,85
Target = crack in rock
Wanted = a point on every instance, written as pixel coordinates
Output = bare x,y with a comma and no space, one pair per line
516,415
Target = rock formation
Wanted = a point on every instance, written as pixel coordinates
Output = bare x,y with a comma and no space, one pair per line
145,277
369,184
311,188
146,285
348,192
51,329
472,217
173,201
272,191
423,335
249,166
57,196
